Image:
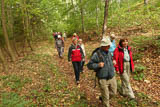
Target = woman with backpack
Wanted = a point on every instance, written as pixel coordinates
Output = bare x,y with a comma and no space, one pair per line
124,65
75,54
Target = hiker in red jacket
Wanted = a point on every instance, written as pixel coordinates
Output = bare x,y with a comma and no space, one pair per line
75,36
124,65
75,54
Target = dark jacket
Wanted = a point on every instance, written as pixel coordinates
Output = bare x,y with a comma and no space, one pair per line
119,57
75,53
107,72
59,43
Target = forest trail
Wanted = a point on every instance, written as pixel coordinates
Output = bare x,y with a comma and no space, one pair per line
87,79
87,82
46,80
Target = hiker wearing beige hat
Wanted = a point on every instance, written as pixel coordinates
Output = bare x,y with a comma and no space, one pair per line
101,63
113,44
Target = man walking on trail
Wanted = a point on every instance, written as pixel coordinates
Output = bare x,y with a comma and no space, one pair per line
101,63
60,46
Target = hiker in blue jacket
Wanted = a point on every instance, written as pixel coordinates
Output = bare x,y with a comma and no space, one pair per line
101,63
113,43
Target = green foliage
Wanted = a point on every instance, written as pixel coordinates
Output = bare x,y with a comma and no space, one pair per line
128,103
139,75
142,95
15,82
13,100
142,44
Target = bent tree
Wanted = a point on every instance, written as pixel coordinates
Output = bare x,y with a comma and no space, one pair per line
7,42
2,59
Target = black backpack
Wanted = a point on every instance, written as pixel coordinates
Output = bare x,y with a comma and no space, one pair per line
100,57
98,53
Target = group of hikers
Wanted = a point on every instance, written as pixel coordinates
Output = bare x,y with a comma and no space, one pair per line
105,60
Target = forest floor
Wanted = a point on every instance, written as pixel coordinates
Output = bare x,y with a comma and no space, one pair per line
42,79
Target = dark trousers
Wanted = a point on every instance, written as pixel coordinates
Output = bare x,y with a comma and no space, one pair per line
77,69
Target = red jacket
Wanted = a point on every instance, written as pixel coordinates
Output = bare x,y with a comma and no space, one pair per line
75,37
75,53
119,57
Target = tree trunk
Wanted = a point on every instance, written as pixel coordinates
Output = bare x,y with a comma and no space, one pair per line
82,16
4,63
5,32
97,23
10,26
104,29
28,32
119,3
26,25
73,5
145,2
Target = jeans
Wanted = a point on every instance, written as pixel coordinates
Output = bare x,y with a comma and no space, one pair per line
77,69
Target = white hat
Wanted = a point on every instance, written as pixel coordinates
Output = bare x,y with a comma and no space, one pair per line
113,35
74,34
59,36
105,41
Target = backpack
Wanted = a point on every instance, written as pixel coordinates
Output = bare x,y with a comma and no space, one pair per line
98,53
101,60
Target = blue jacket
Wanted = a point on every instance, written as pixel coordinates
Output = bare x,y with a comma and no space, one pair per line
112,47
107,72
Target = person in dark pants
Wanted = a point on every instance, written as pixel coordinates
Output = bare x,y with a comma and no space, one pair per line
75,54
83,48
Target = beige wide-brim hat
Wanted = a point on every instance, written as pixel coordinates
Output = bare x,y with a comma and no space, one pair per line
105,41
113,35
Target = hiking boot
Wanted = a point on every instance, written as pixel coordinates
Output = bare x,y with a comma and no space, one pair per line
122,94
77,82
100,98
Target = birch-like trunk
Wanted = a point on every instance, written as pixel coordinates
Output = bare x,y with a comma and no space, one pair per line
104,29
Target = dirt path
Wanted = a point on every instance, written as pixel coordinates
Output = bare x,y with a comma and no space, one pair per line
86,79
91,94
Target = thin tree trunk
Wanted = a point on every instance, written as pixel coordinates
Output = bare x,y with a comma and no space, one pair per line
82,16
97,23
10,26
145,2
28,32
24,39
128,5
26,26
5,32
104,29
119,3
4,63
73,5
